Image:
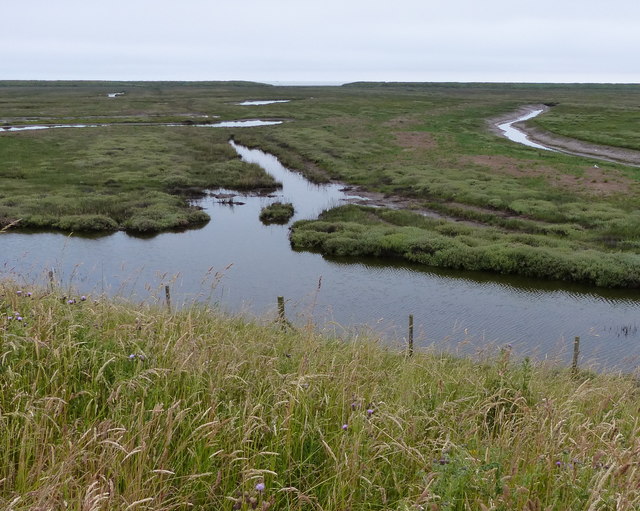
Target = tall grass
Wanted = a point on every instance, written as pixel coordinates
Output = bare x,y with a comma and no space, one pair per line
111,406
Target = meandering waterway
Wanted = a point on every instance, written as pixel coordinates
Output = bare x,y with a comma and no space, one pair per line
514,128
242,265
519,136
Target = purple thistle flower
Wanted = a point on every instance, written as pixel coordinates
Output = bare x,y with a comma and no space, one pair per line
132,356
370,411
71,301
345,426
9,317
19,318
83,298
29,294
19,292
260,487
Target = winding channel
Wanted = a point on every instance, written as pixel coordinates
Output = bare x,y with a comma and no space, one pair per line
514,128
241,266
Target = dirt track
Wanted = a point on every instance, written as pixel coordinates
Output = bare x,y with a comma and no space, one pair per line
566,144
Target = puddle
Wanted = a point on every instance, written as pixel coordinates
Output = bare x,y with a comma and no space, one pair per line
263,102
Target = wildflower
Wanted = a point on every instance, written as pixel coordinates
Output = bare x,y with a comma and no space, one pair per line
260,487
132,356
70,302
558,463
345,426
370,412
9,317
19,318
29,294
83,298
18,293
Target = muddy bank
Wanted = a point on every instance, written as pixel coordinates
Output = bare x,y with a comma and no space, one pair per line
564,144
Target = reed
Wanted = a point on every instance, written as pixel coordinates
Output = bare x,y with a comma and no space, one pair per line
107,405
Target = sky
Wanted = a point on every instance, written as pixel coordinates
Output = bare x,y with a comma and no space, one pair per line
327,41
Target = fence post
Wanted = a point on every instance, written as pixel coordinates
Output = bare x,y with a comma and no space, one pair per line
410,335
576,354
51,280
281,316
167,295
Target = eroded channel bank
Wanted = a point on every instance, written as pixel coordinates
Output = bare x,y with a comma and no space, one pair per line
513,126
242,265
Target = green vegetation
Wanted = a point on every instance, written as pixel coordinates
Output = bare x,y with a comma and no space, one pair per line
609,125
277,213
109,406
119,177
360,231
426,143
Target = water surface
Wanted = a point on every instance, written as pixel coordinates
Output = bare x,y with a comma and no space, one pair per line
519,136
263,102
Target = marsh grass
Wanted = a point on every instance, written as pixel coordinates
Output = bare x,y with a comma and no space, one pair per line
277,213
137,179
361,231
114,406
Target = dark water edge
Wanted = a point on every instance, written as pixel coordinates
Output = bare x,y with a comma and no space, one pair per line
241,266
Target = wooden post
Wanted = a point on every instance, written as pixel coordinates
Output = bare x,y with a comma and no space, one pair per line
167,294
51,280
576,353
410,335
281,317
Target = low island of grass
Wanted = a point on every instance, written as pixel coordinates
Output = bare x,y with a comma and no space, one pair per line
277,213
363,231
108,405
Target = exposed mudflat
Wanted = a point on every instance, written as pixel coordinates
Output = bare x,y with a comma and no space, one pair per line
565,144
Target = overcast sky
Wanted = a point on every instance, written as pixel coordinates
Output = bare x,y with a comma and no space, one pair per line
322,41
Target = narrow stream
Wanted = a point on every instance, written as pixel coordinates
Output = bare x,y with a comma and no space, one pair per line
520,136
241,265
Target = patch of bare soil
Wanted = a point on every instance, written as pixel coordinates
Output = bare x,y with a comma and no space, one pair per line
595,180
381,200
415,140
402,121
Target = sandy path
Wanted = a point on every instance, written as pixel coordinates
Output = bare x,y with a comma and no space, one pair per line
565,144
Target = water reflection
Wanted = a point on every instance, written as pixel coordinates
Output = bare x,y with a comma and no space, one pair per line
263,102
519,136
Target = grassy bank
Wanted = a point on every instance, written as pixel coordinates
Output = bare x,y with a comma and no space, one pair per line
613,126
113,406
361,231
132,178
